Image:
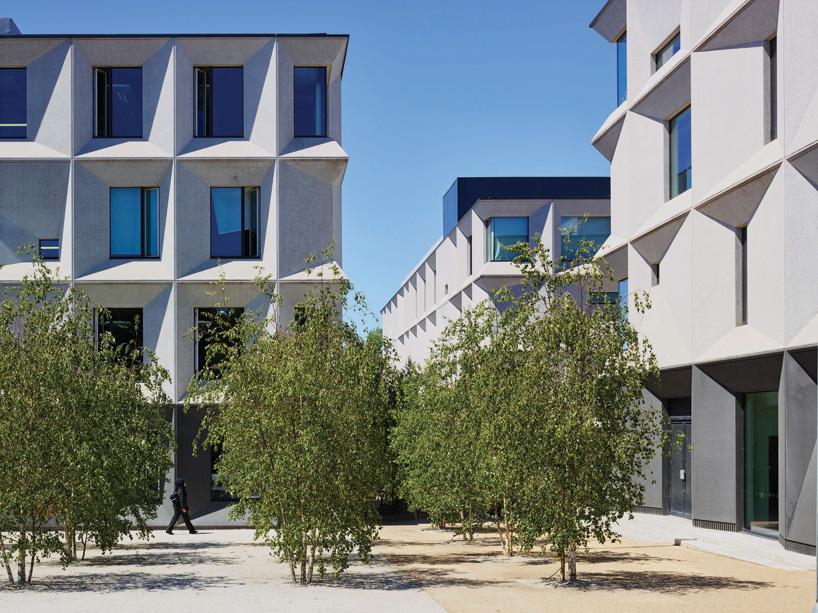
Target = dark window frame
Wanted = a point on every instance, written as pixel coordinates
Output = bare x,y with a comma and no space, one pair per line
101,323
24,136
326,101
109,103
216,313
208,72
40,249
245,243
142,241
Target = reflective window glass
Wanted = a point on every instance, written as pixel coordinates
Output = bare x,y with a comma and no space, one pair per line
681,164
668,51
134,222
12,102
310,100
234,213
124,324
621,69
623,292
505,232
118,102
219,101
211,324
49,248
593,229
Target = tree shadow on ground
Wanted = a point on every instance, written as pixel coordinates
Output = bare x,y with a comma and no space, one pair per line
158,558
122,582
657,581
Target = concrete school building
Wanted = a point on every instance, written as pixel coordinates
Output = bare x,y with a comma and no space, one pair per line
713,144
468,263
137,163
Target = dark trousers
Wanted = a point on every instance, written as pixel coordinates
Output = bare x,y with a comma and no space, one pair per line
186,519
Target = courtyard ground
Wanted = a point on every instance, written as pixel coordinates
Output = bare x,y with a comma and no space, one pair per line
416,568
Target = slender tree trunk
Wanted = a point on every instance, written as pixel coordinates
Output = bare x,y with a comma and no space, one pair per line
500,534
6,560
312,558
84,546
463,522
31,562
509,537
304,559
21,557
562,564
572,562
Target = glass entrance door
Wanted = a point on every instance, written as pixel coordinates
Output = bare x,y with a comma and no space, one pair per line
761,462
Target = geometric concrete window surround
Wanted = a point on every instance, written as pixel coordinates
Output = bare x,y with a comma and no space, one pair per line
234,215
219,101
134,222
310,100
12,102
118,102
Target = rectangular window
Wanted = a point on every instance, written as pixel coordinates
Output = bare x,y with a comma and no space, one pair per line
681,163
13,102
667,52
654,274
598,298
124,325
219,101
593,229
772,50
622,292
234,213
742,276
761,462
134,222
118,102
505,232
49,248
622,69
211,325
310,100
468,257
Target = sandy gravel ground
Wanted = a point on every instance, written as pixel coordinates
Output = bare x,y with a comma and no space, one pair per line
626,576
220,571
225,570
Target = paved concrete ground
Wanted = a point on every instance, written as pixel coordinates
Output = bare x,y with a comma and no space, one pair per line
738,545
220,570
225,570
628,576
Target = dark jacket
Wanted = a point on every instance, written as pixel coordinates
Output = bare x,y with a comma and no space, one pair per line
182,492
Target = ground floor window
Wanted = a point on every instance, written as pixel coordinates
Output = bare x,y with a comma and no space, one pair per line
761,462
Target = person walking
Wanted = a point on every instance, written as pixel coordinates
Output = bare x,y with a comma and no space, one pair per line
179,500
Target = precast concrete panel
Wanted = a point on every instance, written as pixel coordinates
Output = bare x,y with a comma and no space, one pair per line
49,99
655,24
34,197
801,281
718,435
797,424
798,77
653,472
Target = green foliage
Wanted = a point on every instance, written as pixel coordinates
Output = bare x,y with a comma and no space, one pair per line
301,421
531,413
84,440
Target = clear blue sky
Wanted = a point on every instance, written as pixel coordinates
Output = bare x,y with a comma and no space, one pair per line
432,90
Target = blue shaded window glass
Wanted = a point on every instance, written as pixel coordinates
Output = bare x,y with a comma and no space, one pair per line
126,220
134,222
233,222
681,164
220,101
505,232
593,229
621,69
310,100
12,102
49,248
118,102
623,292
668,51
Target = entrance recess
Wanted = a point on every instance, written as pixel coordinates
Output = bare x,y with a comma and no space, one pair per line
761,463
679,465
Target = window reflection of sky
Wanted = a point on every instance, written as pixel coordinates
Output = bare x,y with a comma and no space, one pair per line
225,222
125,221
